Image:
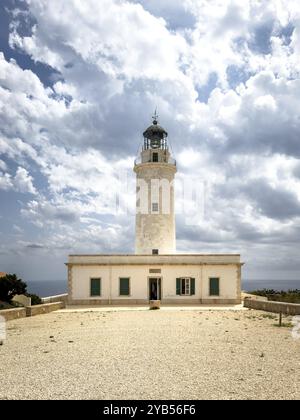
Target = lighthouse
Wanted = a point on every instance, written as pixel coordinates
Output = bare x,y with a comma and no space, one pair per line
154,272
155,170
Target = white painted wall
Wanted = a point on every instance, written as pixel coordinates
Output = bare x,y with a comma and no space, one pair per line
228,281
139,274
156,231
169,275
81,281
157,260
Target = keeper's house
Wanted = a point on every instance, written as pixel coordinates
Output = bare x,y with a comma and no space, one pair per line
136,279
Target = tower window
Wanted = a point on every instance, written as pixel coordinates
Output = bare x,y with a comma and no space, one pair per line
155,207
155,157
154,251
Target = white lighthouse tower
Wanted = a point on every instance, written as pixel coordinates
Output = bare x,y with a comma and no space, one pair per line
155,171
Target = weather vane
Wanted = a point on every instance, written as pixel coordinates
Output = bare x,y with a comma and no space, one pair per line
155,116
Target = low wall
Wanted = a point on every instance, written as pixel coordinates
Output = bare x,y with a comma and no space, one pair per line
275,307
132,302
57,298
15,313
253,297
44,308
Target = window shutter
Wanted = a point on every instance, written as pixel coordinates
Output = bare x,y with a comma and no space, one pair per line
178,286
192,286
95,287
124,286
214,287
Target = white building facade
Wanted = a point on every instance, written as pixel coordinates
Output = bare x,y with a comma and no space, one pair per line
155,271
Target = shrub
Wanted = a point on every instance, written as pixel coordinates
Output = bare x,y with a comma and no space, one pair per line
291,296
10,286
35,299
5,305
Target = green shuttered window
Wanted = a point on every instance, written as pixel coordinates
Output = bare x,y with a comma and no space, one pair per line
192,287
96,287
185,286
124,286
178,286
214,286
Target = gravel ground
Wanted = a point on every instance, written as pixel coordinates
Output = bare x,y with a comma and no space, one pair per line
149,355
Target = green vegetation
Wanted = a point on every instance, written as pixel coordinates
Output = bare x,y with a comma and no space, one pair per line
35,299
4,305
269,316
11,305
284,325
290,296
10,286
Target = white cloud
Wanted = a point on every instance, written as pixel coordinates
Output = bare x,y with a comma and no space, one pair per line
81,134
18,230
5,181
3,166
23,181
123,51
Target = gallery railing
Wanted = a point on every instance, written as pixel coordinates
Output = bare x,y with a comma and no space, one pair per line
169,160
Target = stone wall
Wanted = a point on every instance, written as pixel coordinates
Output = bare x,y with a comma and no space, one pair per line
57,298
275,307
15,313
10,314
253,297
44,309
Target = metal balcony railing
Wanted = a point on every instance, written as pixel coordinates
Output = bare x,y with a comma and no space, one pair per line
169,160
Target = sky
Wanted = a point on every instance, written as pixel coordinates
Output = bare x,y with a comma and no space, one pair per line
79,82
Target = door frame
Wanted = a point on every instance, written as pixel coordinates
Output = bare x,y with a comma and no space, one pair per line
160,286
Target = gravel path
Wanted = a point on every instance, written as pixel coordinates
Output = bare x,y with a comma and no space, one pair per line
149,355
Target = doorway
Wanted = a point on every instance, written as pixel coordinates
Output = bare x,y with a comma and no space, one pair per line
154,288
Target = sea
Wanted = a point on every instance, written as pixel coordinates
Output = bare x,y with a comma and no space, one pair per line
56,287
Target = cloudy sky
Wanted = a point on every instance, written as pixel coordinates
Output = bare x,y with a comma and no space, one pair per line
79,81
